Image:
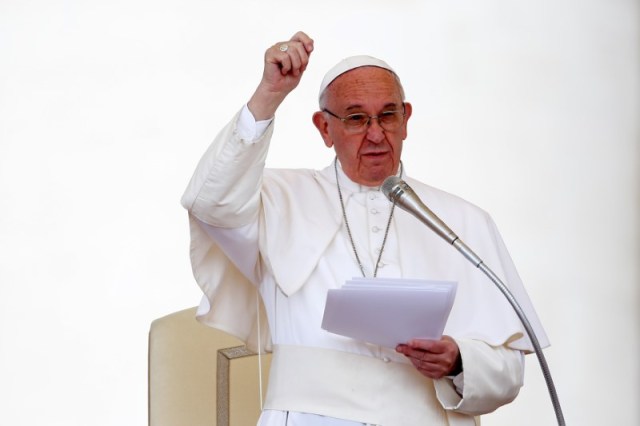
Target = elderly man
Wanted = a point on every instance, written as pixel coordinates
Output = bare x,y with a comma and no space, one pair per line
291,235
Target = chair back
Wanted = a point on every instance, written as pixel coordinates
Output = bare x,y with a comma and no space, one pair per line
201,376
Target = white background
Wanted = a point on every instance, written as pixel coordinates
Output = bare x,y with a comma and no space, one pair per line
527,108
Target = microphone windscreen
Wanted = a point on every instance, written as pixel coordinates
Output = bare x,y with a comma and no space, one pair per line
388,186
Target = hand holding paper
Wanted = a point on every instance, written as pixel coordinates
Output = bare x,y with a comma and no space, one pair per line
433,358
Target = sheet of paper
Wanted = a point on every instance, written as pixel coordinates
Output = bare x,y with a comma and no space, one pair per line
387,312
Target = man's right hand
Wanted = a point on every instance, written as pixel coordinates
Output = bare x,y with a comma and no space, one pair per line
284,64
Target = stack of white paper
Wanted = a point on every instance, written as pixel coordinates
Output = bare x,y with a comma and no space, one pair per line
389,311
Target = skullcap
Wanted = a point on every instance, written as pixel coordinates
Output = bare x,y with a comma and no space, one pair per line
349,64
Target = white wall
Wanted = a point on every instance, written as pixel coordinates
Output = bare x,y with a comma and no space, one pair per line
527,108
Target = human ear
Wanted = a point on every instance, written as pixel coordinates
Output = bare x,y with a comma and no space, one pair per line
408,110
322,124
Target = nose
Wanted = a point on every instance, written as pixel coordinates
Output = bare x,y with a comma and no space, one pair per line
375,132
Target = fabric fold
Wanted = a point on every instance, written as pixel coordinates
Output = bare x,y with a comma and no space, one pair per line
297,243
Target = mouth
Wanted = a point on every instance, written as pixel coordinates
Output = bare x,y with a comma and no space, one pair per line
375,154
384,152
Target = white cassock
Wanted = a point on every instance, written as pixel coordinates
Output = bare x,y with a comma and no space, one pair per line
282,232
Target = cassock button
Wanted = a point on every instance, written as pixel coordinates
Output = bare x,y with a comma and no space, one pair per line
386,359
374,211
375,229
373,195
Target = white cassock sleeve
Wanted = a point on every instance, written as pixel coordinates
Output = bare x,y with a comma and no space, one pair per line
491,377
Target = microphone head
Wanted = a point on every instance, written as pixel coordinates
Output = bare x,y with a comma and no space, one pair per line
393,187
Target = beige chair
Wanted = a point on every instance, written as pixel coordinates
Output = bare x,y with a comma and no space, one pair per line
200,376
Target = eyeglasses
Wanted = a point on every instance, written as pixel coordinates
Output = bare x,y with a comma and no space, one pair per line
358,122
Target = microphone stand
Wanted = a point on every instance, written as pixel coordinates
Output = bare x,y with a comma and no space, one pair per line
473,258
401,194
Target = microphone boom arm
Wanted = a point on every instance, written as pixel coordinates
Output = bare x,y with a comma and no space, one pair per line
404,197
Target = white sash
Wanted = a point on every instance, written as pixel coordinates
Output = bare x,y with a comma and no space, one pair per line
355,387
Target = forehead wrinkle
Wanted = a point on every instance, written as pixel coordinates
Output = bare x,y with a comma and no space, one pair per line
359,106
361,86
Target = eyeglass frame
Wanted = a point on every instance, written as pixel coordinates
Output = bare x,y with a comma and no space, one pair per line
370,117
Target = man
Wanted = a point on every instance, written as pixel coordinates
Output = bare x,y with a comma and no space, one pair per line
294,234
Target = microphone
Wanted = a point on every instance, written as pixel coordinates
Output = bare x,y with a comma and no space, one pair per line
401,194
